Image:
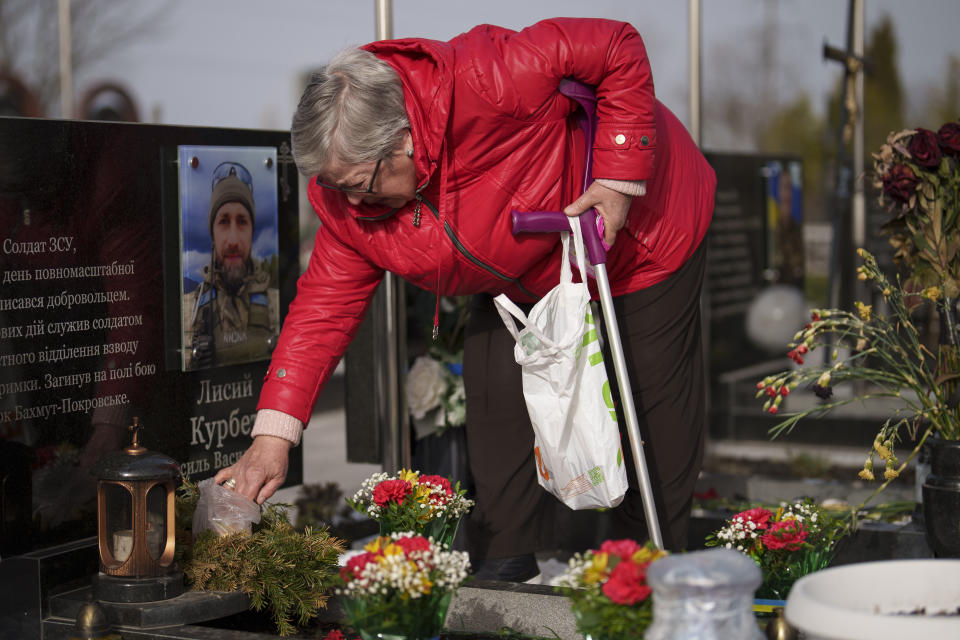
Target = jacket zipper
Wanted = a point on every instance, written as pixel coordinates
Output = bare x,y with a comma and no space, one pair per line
416,211
466,254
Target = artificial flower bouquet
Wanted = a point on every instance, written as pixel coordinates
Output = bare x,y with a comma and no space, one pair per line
917,175
409,501
435,393
401,586
608,589
787,544
918,179
882,350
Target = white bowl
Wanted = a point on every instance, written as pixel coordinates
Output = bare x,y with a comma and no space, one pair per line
861,601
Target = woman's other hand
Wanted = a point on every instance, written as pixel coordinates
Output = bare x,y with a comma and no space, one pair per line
261,470
611,205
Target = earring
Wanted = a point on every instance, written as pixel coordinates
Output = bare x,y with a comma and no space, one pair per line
409,153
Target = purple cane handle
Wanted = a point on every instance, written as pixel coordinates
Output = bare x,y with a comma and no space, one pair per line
591,224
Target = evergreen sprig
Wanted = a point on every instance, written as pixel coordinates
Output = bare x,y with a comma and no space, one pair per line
287,572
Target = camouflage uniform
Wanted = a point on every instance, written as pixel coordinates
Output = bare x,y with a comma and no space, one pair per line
227,329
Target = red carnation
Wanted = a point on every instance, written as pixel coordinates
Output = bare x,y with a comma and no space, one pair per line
335,634
758,516
900,183
623,549
786,534
626,584
924,149
438,481
413,543
948,137
391,490
356,564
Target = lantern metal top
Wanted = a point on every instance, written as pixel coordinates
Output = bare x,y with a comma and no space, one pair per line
92,622
135,462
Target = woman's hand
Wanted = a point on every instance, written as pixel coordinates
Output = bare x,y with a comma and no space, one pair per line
261,470
611,205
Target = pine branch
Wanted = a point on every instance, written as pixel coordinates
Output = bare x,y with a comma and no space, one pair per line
283,571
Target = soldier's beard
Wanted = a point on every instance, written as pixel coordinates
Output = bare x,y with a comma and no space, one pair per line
233,274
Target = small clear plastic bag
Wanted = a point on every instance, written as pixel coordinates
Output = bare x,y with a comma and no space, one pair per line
223,510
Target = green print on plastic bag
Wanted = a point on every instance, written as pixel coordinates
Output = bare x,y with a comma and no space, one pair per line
608,400
596,476
594,359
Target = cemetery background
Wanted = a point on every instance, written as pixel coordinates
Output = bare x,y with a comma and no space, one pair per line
786,126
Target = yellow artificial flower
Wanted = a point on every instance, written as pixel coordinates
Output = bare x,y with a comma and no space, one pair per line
425,584
865,474
890,473
647,555
864,310
392,549
882,451
377,544
931,293
421,493
409,475
597,570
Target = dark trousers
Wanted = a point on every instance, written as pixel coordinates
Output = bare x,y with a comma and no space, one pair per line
661,335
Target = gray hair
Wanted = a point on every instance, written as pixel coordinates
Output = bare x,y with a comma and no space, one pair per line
352,111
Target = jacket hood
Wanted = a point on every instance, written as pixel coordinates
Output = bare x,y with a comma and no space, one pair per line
428,92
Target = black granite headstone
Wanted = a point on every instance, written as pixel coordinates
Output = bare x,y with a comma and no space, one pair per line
94,248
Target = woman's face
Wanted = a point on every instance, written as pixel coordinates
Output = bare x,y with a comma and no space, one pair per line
392,182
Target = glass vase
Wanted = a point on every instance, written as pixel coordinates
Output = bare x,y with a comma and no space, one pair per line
411,619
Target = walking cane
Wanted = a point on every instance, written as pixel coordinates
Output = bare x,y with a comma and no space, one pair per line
592,226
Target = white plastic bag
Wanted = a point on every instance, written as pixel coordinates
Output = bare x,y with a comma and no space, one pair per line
223,510
577,442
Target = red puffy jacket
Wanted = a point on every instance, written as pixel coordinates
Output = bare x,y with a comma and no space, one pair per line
491,134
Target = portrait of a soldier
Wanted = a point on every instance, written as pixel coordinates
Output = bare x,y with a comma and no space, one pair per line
232,316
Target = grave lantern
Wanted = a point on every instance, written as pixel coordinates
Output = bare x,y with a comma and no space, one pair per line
135,524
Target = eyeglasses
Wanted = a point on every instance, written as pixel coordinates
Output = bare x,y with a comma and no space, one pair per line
227,169
369,189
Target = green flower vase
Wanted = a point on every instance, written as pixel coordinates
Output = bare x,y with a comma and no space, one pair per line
442,531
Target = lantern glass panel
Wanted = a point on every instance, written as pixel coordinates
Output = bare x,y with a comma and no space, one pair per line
156,520
119,505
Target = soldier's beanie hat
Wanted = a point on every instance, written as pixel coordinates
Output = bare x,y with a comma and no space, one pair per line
230,189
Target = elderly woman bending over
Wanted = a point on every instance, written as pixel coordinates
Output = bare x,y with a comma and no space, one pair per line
417,151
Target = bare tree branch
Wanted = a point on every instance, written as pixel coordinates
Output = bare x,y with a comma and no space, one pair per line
29,38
